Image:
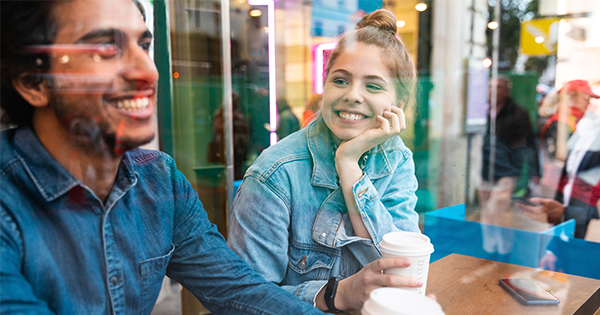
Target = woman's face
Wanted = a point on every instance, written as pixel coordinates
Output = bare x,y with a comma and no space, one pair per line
358,88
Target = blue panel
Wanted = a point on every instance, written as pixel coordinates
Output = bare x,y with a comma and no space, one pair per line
453,212
482,240
566,228
236,186
450,233
573,256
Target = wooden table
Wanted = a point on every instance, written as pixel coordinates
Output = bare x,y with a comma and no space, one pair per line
469,285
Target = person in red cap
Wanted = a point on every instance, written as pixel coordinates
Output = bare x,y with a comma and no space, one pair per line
573,100
576,182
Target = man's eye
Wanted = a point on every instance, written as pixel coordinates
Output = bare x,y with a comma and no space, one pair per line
108,51
145,46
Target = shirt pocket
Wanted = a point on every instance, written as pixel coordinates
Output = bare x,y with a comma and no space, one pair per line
309,262
153,271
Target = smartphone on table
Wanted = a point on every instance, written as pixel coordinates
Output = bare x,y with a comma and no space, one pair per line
528,292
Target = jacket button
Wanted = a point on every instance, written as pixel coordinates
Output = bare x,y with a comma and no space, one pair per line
115,280
323,234
302,264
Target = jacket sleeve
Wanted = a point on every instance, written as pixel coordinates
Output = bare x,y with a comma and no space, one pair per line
392,209
16,295
204,264
259,234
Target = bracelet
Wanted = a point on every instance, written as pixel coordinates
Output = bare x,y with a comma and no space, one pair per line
330,291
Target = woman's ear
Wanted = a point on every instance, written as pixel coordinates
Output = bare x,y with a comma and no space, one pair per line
32,88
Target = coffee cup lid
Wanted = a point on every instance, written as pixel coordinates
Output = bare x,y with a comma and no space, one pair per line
395,301
406,243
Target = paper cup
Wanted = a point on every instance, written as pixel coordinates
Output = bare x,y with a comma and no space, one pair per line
395,301
414,246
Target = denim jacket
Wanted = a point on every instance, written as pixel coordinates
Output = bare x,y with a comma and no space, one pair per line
289,219
64,251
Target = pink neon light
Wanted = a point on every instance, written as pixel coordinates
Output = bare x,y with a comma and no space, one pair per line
272,82
319,65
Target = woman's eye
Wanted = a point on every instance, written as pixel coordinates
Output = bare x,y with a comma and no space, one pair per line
374,87
340,81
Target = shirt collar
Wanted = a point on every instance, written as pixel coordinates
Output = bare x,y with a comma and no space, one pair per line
322,149
50,178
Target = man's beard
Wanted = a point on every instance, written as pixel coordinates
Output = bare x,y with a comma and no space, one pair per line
93,135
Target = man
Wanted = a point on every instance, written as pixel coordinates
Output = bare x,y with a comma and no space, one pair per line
89,223
513,146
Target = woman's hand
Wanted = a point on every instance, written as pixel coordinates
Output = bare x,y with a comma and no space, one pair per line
354,291
392,122
349,152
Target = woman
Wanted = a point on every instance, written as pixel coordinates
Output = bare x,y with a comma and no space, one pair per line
316,205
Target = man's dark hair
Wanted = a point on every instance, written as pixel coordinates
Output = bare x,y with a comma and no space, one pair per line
25,23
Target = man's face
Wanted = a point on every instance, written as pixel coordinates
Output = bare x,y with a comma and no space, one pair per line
104,85
579,100
502,90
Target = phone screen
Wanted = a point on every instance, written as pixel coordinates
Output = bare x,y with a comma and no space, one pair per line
528,292
522,200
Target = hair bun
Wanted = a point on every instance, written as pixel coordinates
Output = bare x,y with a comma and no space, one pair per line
382,19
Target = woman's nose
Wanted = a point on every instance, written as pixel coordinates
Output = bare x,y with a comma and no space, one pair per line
353,96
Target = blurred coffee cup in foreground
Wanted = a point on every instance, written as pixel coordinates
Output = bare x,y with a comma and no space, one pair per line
414,246
396,301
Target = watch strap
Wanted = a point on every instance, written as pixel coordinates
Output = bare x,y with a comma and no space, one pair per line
330,291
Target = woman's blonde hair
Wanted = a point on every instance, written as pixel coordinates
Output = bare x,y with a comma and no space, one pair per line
379,29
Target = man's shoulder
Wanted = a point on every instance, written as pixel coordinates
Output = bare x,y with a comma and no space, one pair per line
517,107
149,159
145,156
8,157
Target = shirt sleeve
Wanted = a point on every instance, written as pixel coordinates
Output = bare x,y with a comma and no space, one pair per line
259,233
393,209
17,295
204,264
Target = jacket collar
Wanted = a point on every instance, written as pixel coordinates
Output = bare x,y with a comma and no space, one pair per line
50,178
375,163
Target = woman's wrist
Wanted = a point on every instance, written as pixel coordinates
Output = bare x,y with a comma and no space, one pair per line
339,300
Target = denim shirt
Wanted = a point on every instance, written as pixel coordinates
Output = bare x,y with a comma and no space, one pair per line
64,251
289,219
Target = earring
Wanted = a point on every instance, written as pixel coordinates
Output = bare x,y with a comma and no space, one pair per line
96,57
64,59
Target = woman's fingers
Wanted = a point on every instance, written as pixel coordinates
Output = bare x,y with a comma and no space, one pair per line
385,124
401,118
396,118
387,263
390,280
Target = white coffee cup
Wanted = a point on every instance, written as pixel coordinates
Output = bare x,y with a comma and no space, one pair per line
395,301
414,246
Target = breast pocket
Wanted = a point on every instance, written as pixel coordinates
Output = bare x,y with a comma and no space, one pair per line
153,271
309,262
